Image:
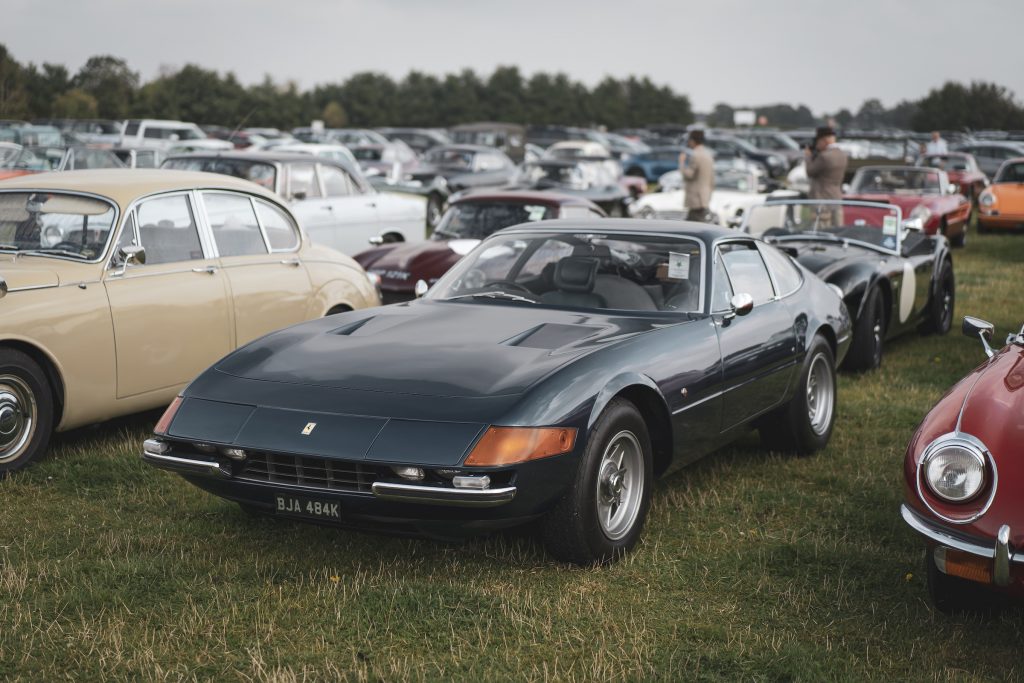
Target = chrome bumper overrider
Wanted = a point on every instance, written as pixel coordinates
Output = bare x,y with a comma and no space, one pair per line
1001,552
190,465
404,493
435,495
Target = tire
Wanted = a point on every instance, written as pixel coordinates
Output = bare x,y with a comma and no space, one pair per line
868,334
435,206
960,239
586,527
804,425
940,309
951,594
26,411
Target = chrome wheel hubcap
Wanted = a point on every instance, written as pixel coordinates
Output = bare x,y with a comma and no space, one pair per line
620,483
820,395
17,417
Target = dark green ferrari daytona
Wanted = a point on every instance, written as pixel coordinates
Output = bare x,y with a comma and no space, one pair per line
550,375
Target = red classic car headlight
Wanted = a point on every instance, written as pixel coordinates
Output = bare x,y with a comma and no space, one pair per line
923,212
955,472
510,445
165,420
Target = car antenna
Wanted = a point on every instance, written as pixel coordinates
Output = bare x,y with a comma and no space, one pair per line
242,122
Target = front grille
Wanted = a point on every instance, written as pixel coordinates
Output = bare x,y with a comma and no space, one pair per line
298,470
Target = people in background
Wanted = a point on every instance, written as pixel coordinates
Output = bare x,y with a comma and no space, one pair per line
937,145
826,165
698,170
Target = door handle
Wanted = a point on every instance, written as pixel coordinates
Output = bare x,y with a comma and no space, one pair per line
290,262
205,269
327,207
371,205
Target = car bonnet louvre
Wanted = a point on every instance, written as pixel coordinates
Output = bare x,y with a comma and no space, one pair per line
551,336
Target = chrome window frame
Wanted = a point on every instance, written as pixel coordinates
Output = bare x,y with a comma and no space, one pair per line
201,193
198,217
754,243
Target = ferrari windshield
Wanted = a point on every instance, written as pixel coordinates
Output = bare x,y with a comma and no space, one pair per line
477,220
52,224
875,225
896,180
580,271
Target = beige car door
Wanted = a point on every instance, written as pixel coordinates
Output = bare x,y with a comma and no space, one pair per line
171,314
268,283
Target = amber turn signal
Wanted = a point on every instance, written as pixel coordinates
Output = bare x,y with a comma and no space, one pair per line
510,445
967,566
165,420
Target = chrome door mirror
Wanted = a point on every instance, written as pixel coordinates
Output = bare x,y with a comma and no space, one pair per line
131,254
983,329
376,240
741,304
421,288
913,224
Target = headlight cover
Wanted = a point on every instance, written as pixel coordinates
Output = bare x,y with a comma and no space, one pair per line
954,471
987,199
921,211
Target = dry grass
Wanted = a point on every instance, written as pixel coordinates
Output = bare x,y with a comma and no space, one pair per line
753,566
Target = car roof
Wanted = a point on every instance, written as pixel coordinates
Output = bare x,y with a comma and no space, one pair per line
271,157
466,148
524,196
625,226
125,185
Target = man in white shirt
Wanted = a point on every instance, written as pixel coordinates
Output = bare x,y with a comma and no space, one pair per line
937,145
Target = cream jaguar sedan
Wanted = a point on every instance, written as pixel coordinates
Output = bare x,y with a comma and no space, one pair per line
117,287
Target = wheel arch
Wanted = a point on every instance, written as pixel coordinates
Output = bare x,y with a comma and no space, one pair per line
50,368
643,393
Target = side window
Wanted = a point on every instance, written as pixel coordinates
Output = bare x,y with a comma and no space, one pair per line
127,237
153,132
336,182
787,275
302,182
281,232
722,296
167,230
235,228
747,271
131,128
578,212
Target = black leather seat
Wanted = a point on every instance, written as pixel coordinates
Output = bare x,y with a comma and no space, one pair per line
574,284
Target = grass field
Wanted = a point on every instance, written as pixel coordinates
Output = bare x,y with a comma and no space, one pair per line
752,567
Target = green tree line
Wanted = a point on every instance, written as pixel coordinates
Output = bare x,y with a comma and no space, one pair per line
107,87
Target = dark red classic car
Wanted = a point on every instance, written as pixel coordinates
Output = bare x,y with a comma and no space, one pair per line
963,475
921,193
962,169
468,220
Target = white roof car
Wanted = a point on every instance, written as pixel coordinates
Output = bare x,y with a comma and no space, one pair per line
328,151
570,149
178,136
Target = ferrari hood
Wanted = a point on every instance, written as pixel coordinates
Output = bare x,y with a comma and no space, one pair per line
430,348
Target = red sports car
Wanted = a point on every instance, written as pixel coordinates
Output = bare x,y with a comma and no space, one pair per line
468,220
921,193
962,169
963,475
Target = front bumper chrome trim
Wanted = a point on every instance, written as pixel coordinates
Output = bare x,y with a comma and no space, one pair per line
189,465
436,495
1000,552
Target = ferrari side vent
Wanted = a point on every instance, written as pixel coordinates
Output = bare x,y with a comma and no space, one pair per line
317,473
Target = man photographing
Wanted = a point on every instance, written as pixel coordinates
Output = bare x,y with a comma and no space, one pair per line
698,170
826,165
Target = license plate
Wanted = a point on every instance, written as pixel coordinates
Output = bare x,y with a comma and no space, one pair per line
300,506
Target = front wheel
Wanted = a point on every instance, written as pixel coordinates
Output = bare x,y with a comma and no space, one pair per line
940,308
868,334
26,411
804,425
435,206
602,514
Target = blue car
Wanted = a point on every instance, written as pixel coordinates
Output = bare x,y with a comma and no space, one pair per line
653,164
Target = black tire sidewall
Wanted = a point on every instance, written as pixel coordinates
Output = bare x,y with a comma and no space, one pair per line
863,354
936,322
21,365
572,529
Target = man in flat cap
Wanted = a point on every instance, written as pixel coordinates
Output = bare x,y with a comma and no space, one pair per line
826,165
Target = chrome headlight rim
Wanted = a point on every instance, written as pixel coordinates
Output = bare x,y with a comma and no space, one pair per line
968,442
987,199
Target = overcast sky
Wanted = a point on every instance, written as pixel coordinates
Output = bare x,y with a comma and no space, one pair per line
827,54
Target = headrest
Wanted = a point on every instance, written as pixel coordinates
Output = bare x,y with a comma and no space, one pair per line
576,274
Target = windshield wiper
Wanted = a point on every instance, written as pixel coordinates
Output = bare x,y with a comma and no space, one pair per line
9,247
52,250
496,294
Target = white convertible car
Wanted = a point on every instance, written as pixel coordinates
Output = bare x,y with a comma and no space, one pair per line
735,192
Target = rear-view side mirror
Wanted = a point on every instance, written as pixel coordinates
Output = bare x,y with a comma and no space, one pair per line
132,253
421,288
983,329
741,304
